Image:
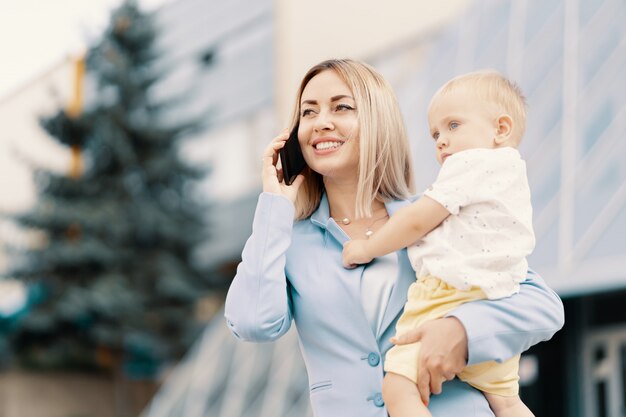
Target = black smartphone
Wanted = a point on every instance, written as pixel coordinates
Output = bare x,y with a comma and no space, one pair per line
291,158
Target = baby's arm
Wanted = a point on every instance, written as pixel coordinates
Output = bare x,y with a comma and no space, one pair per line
405,227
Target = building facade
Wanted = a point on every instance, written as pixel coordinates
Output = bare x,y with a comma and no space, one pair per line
238,64
568,57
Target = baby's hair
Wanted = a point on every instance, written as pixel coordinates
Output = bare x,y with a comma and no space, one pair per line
492,87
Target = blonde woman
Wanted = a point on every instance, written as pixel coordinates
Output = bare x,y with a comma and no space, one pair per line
359,173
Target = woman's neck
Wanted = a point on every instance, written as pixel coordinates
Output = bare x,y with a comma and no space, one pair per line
342,199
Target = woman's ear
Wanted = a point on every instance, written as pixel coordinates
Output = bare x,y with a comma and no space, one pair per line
504,131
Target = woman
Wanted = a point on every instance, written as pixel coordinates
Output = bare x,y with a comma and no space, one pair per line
359,172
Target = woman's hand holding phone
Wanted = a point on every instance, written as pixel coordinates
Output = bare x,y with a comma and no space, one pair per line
272,176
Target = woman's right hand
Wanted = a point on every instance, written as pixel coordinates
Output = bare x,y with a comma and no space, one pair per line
272,177
442,355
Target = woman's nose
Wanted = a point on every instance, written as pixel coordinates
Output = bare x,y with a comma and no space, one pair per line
323,121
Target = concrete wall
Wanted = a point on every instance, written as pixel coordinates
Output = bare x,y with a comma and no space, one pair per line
307,33
65,394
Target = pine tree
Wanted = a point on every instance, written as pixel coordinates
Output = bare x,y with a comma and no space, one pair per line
115,265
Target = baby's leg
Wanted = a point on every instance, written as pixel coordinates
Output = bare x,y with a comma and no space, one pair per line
508,406
499,383
402,398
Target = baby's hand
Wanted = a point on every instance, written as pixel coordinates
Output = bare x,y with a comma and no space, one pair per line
355,253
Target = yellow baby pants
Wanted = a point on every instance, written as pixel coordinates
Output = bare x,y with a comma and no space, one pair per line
430,298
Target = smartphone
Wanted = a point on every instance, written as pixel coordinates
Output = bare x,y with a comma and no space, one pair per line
291,157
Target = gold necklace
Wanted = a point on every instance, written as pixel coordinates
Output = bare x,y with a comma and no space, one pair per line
368,230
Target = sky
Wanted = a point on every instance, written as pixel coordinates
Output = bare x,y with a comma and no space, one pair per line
35,34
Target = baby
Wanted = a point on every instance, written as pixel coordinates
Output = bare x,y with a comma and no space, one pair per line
468,235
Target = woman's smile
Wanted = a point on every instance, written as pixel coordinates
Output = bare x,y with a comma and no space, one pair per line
326,145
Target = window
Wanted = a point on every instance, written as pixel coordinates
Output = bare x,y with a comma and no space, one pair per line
605,363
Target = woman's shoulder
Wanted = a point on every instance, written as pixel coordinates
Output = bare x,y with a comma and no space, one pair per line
402,201
303,227
414,197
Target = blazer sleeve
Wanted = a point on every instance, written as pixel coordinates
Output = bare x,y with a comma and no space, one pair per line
258,305
500,329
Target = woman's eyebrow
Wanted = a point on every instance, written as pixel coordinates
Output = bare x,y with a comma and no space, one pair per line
340,97
332,99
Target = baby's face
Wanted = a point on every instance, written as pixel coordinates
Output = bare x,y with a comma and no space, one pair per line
458,121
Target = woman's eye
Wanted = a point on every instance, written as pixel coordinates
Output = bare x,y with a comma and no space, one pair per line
344,107
453,125
306,112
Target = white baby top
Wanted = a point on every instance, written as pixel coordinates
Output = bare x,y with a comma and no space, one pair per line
485,240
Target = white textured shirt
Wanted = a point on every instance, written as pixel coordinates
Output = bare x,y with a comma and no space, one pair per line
485,240
377,283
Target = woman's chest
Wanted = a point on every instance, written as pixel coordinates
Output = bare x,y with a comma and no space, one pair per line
324,293
317,277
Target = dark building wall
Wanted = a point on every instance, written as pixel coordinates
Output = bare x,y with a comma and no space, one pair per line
559,388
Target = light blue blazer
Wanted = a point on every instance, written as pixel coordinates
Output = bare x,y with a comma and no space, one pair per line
293,271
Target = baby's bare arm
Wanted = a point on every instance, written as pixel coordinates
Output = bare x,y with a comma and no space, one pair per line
406,226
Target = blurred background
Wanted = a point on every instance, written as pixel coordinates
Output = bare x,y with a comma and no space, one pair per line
129,171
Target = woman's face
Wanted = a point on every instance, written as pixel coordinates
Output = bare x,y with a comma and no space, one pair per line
329,129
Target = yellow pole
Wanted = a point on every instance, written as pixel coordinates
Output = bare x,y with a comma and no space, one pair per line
76,103
73,110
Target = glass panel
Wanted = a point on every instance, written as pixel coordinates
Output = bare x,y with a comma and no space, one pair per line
601,404
595,126
540,15
623,363
599,354
587,9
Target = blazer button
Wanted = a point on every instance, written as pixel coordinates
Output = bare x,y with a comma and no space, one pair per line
378,400
373,359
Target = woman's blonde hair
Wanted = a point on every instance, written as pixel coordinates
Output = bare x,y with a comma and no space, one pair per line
385,168
492,87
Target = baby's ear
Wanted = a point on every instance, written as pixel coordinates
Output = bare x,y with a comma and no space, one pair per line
504,124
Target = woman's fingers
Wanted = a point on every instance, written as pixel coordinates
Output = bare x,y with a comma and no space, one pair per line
423,386
291,191
297,182
270,155
271,172
277,146
272,146
424,379
436,381
442,353
268,176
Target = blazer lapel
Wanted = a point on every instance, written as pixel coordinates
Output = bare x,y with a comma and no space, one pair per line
405,278
349,278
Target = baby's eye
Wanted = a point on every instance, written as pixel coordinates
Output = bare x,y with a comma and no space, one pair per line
435,135
454,125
